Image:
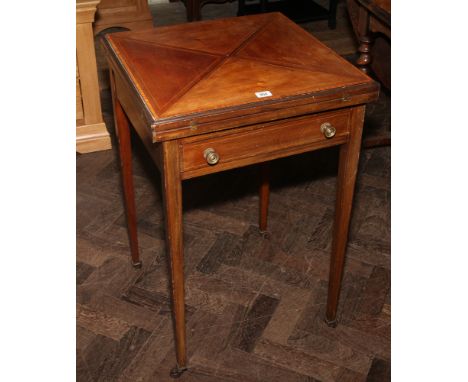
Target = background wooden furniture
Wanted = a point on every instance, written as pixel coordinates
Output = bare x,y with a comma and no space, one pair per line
218,95
194,7
91,132
371,23
128,14
297,10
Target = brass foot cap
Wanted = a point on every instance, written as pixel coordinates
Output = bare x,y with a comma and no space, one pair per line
264,234
177,371
137,264
331,323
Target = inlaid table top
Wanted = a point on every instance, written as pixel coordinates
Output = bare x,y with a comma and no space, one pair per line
190,74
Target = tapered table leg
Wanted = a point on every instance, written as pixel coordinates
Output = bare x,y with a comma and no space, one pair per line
348,167
172,196
125,150
264,193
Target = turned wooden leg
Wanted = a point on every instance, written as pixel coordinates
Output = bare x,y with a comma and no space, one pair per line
125,149
264,192
364,59
172,196
348,167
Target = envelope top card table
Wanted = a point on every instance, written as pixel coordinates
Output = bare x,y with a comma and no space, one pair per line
215,95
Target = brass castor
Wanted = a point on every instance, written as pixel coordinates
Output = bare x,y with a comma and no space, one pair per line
137,264
331,323
177,371
264,234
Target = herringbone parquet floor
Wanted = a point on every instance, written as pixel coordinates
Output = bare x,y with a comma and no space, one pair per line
255,303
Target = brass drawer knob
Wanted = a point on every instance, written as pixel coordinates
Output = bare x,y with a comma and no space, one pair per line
211,156
327,130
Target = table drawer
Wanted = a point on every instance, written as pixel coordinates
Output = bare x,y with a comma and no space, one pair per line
263,142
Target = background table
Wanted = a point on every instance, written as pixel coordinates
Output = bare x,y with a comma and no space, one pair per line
297,10
212,96
371,20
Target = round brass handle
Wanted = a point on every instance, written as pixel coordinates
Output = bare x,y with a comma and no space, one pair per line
211,156
328,130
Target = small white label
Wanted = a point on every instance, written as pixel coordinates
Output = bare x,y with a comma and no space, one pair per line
263,94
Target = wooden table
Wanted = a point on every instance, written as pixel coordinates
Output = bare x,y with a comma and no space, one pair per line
212,96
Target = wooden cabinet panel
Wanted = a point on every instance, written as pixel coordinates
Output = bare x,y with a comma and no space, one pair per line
91,132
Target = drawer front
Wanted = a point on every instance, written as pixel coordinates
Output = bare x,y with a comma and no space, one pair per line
263,142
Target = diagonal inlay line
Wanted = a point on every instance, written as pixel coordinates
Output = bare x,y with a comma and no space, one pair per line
175,47
161,107
249,38
211,69
299,33
215,66
309,67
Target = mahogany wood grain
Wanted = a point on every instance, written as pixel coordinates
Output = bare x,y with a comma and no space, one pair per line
209,122
249,144
264,195
347,170
172,198
125,150
192,75
263,157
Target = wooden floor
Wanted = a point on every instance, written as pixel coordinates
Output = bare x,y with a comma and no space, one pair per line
255,303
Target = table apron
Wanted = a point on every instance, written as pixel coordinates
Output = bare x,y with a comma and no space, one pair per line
261,158
262,142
